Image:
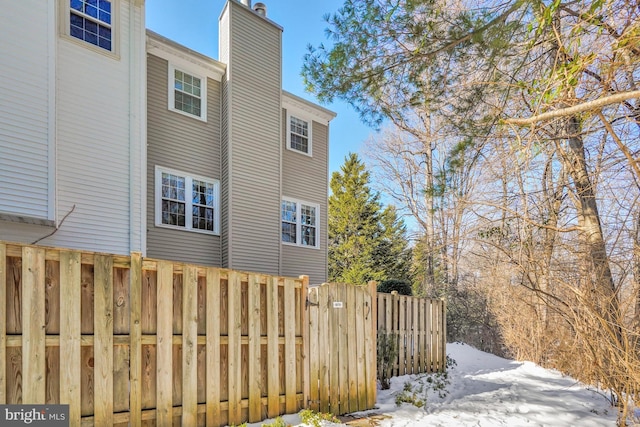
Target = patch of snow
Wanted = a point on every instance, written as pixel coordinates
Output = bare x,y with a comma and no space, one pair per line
489,391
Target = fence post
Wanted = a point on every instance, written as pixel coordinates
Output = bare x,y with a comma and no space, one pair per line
443,320
304,330
135,340
373,350
33,322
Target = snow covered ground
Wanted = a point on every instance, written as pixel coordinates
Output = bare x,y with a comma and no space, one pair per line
485,391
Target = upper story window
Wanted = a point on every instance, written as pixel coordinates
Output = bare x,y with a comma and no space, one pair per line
187,93
300,223
91,21
298,134
187,202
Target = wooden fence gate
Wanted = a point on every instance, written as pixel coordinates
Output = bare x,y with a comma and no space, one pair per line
342,348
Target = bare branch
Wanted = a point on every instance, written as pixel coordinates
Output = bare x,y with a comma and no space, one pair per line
57,228
580,108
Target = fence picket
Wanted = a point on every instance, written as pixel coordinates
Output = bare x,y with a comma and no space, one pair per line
164,347
290,348
103,341
255,374
70,333
213,346
135,339
190,346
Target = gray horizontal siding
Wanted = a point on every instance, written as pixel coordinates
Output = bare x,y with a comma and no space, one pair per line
188,145
305,178
254,134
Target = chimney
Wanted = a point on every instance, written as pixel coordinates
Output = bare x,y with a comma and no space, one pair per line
246,3
261,9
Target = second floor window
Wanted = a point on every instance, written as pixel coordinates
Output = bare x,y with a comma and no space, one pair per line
187,93
187,202
90,20
298,134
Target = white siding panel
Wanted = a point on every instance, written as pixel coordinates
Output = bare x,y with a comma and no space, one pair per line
93,145
24,117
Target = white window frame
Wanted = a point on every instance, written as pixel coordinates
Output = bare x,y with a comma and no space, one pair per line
304,118
65,29
298,223
172,92
189,178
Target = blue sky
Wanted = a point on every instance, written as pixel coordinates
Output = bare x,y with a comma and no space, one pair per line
194,23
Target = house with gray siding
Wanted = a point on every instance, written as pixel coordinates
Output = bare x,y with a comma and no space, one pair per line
237,168
116,139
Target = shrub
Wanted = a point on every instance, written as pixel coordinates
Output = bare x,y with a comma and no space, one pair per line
401,286
387,355
313,418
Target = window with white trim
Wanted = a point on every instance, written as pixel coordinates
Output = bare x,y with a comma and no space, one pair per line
298,134
92,22
300,223
187,202
187,93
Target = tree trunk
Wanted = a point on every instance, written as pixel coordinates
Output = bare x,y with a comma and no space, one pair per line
591,234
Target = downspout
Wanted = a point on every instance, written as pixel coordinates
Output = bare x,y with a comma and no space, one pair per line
137,129
52,149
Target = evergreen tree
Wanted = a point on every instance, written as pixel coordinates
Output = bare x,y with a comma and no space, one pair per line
354,226
393,255
366,242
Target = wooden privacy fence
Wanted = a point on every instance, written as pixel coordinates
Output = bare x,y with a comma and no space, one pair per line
130,341
342,346
420,325
127,341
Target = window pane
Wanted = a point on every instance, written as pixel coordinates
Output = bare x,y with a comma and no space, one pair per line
104,5
288,211
308,236
288,232
202,193
91,11
76,5
299,143
202,218
308,214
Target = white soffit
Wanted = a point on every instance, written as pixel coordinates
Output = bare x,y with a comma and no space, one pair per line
319,114
182,56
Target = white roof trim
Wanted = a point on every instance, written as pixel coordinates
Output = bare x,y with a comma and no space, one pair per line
311,110
184,57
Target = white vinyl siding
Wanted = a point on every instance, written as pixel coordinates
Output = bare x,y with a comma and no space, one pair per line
97,147
26,161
